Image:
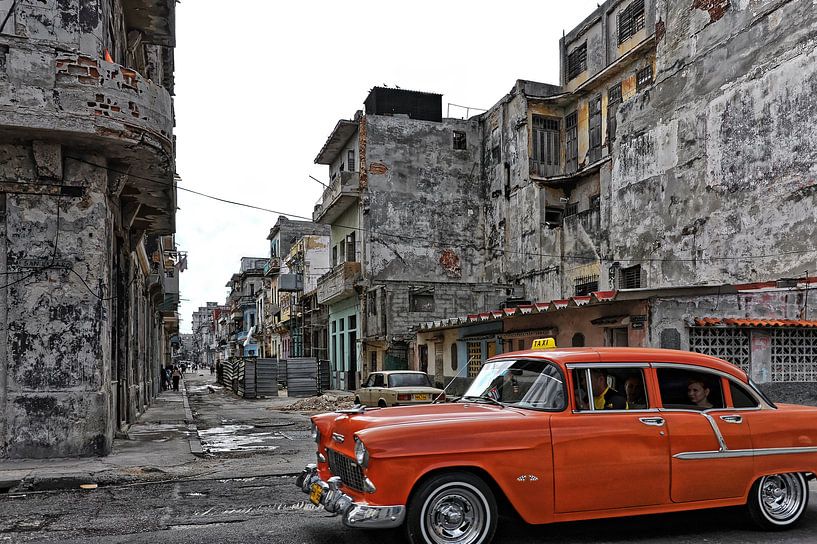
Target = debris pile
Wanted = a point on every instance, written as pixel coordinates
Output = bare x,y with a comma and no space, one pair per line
323,403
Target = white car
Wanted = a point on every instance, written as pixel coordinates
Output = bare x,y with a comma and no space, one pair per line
398,388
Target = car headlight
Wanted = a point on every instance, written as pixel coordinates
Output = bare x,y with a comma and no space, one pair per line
361,453
316,434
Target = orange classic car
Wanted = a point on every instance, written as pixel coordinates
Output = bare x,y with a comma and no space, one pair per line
565,435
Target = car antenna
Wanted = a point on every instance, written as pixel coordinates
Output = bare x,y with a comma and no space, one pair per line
465,366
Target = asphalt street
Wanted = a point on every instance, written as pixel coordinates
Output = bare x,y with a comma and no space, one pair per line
243,491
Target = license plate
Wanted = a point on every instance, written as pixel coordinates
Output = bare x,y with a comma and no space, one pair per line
422,397
315,495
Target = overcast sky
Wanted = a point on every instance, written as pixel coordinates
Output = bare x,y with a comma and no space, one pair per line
260,85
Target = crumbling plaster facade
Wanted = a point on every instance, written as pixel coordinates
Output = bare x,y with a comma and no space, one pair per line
86,182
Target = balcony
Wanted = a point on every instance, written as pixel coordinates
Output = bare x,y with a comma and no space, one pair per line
339,283
343,191
273,266
97,105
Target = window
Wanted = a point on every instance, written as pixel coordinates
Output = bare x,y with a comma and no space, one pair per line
617,388
595,202
379,381
594,128
350,159
421,300
630,20
578,340
643,78
474,358
688,389
586,285
614,95
630,277
532,384
741,398
371,303
352,322
410,380
496,156
553,216
577,61
373,358
342,167
459,139
350,247
545,148
572,136
572,209
334,255
454,357
730,344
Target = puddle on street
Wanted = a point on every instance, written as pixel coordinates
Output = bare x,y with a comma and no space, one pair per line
206,388
237,438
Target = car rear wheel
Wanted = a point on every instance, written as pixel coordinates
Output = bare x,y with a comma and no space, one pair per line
778,501
357,400
452,508
381,403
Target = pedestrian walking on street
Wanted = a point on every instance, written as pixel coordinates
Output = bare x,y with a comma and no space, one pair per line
177,375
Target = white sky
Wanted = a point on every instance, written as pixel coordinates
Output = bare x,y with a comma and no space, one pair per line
261,84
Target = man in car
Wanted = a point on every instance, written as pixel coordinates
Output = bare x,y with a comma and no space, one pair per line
604,396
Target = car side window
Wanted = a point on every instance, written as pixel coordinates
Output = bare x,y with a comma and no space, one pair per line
689,389
611,388
741,398
378,380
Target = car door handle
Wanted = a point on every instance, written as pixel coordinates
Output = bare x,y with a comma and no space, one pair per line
652,421
732,419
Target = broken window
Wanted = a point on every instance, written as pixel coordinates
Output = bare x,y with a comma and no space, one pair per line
594,128
421,301
630,20
630,277
545,148
643,78
585,285
572,209
459,139
371,303
572,138
553,216
595,202
577,61
350,159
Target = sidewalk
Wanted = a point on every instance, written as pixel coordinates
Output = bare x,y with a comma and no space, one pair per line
242,438
160,445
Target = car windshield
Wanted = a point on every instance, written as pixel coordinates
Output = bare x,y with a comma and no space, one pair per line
409,380
523,383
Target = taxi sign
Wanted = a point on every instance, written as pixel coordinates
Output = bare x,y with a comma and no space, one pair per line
544,343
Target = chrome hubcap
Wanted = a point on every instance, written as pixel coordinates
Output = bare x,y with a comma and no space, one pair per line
781,496
455,516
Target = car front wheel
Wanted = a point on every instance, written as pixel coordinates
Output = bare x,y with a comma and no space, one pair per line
455,507
778,501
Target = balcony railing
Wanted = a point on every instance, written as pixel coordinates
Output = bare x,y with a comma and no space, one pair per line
273,266
342,192
339,283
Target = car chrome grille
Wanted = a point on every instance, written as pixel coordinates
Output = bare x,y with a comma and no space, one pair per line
350,473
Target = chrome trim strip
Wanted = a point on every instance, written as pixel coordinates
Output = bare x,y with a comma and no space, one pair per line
718,435
577,366
688,455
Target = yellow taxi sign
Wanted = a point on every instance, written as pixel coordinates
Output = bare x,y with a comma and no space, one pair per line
544,343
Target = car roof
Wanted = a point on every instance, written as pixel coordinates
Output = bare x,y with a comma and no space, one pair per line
629,355
389,372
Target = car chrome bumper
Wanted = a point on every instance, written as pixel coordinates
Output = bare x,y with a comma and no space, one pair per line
354,514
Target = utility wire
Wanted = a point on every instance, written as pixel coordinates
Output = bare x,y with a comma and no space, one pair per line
8,16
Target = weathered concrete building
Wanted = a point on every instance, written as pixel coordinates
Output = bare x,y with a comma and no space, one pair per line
405,206
282,237
671,170
87,197
244,287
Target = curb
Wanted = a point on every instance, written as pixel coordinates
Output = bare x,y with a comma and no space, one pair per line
193,436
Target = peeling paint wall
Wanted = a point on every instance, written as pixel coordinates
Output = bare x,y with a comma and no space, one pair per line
718,156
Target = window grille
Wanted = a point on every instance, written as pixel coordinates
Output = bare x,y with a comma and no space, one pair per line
594,128
572,209
595,202
794,355
630,20
729,344
474,358
630,277
572,136
350,158
643,78
577,61
586,285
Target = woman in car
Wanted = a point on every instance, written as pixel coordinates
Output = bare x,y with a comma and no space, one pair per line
698,394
